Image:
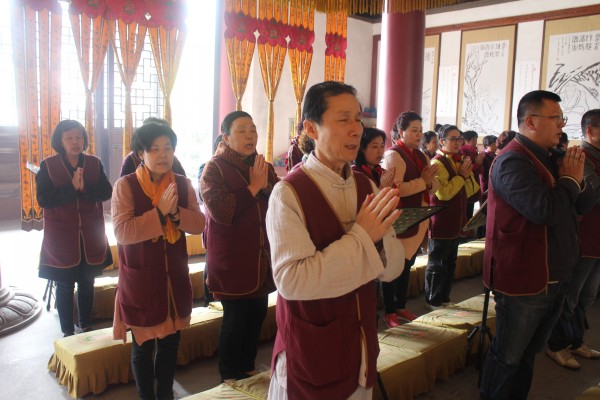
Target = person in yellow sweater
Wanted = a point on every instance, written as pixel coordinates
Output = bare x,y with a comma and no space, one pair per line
456,184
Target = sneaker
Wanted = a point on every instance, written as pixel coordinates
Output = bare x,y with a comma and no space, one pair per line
405,315
391,320
432,307
586,352
564,358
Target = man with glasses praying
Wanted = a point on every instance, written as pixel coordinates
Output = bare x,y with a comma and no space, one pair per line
534,203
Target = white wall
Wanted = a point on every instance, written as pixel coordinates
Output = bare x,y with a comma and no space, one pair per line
358,74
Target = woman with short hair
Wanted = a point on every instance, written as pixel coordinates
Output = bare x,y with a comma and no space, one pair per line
152,209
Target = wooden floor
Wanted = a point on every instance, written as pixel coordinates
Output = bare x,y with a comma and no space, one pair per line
24,355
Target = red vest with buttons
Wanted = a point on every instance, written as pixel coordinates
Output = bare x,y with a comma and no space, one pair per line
323,338
146,269
80,220
516,250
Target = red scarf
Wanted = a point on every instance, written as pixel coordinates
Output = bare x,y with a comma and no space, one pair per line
456,157
373,173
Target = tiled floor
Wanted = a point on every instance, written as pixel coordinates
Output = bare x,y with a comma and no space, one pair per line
24,355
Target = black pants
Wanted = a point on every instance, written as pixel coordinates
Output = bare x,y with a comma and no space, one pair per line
147,366
240,331
396,291
85,303
440,270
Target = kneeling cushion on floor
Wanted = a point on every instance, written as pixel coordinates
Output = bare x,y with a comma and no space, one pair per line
401,372
254,388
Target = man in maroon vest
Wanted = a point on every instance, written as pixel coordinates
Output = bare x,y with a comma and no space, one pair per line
531,244
330,237
567,336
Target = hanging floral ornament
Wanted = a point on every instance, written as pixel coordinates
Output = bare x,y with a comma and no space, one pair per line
91,8
240,26
301,39
272,32
336,45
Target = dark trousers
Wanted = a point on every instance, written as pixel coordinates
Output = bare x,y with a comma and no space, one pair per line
396,291
581,294
440,270
148,364
523,324
85,303
240,331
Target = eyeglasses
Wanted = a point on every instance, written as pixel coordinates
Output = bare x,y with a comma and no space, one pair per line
455,139
557,118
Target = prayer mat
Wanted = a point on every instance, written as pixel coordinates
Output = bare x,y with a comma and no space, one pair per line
476,304
253,388
444,349
402,373
592,393
475,259
105,288
197,278
416,281
201,338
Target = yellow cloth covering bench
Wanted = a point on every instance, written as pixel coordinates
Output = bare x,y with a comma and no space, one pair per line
254,388
592,393
89,362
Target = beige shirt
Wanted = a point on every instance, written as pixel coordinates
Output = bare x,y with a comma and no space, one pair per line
301,272
391,159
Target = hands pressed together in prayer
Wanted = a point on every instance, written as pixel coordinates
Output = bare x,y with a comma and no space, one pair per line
428,173
378,212
168,201
259,175
77,180
387,178
466,167
572,164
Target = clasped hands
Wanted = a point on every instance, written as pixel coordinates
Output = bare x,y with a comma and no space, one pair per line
378,212
572,164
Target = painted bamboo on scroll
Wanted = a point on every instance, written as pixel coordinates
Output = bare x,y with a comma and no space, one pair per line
272,48
36,37
167,37
91,34
300,50
130,34
336,41
240,22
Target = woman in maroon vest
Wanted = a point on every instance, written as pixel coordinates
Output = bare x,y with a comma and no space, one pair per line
369,156
414,178
151,211
456,184
71,187
235,186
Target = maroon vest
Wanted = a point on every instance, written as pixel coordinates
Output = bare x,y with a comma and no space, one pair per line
590,243
83,219
322,338
240,257
412,172
516,250
146,269
448,223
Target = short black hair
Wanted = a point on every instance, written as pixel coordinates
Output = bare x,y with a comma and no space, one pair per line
504,138
62,127
590,118
489,140
156,120
402,123
367,137
427,136
315,100
532,101
147,134
469,135
437,127
443,132
228,121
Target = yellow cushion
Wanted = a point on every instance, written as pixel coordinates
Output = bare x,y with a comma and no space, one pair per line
592,393
401,371
254,388
197,277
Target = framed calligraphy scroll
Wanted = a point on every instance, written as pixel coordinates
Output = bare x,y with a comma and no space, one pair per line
431,62
571,67
485,80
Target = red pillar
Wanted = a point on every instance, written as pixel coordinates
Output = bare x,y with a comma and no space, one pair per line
224,100
400,82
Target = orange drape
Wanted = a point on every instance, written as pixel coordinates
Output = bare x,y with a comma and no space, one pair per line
240,18
335,54
302,26
90,34
167,46
36,34
272,48
128,53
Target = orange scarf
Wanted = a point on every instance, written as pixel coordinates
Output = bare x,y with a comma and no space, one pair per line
154,191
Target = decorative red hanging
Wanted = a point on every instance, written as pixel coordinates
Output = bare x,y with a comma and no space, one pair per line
128,11
39,5
272,32
336,45
301,39
240,26
168,14
91,8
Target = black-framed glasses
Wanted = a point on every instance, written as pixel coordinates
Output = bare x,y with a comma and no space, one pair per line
557,118
455,139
